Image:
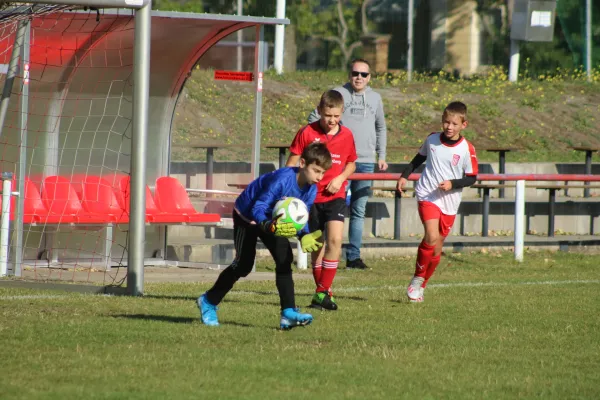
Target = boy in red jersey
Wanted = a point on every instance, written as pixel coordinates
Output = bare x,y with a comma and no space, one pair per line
451,165
329,209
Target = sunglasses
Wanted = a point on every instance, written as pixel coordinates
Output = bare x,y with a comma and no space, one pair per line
363,74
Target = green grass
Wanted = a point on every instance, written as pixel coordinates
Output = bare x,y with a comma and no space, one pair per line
504,340
543,117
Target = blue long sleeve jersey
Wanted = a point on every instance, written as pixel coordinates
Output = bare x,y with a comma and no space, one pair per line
256,202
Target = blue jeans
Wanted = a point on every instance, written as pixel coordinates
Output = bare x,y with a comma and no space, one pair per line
361,190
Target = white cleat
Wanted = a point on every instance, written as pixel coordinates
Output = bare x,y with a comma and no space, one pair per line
414,290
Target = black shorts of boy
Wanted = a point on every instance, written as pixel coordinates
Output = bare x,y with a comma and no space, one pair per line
321,213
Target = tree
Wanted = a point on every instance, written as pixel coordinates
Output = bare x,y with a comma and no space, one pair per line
341,22
178,5
565,51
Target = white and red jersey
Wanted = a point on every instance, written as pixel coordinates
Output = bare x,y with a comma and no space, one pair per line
445,162
342,149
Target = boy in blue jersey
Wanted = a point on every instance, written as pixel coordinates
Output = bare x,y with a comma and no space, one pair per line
252,220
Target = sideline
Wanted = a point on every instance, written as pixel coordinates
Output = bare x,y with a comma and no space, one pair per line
470,284
359,288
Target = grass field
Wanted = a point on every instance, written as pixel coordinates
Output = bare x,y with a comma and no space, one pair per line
489,328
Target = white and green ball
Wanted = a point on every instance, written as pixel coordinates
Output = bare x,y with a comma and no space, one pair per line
292,210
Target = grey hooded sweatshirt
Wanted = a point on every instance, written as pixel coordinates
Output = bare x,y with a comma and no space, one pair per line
363,115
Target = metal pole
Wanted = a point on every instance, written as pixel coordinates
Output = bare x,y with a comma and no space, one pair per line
13,66
17,270
139,138
210,166
5,221
551,212
501,169
519,220
513,73
135,4
258,73
279,38
485,215
282,156
240,11
588,39
397,215
588,171
409,50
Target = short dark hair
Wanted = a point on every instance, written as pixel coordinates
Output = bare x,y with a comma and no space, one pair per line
456,108
317,153
331,99
360,60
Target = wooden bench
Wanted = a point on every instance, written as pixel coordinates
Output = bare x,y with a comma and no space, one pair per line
588,163
210,159
485,213
282,148
501,163
552,188
238,185
397,205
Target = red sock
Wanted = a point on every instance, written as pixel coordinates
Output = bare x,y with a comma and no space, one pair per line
424,255
329,270
431,268
316,271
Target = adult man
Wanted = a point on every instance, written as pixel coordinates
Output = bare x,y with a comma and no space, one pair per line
363,114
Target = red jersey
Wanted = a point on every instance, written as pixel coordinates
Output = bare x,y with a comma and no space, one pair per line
341,147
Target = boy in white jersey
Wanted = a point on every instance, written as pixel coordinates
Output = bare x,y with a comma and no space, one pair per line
451,164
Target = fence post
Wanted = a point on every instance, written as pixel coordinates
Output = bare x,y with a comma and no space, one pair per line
519,220
5,222
397,214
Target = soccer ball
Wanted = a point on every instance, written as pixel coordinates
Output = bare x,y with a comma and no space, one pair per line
292,210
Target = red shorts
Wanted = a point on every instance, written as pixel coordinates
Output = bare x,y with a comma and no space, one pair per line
428,210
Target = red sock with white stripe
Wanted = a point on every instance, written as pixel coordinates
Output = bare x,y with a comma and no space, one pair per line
431,268
327,275
317,268
424,255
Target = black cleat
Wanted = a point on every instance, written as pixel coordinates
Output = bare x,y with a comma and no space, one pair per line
323,301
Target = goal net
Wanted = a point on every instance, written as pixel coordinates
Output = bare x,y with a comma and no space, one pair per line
67,74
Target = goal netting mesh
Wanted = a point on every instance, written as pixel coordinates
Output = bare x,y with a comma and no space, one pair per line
69,117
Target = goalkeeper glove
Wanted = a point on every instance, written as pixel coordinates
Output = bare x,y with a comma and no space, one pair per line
278,228
310,242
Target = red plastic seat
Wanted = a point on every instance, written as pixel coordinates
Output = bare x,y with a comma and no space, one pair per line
153,214
171,197
34,210
62,203
98,197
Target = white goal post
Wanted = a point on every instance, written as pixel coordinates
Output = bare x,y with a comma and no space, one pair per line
139,132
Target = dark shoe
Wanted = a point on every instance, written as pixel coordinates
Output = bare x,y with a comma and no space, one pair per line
356,264
323,301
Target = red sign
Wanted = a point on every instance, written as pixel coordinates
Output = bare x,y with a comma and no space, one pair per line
234,76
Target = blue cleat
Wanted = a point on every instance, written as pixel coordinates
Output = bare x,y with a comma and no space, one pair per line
292,317
208,311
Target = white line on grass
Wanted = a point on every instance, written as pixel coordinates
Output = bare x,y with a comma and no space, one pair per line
45,296
470,284
367,288
448,285
32,297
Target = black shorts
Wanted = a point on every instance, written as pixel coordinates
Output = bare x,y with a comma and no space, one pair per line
321,213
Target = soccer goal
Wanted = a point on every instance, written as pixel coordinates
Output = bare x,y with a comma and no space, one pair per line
73,125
